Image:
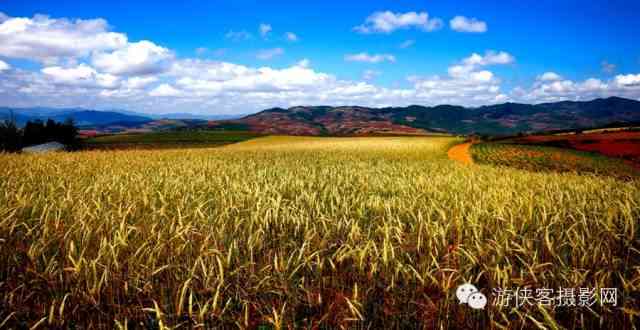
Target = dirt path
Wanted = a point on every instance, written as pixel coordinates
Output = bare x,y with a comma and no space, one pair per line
461,153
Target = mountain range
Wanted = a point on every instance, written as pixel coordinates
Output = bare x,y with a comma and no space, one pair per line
87,118
499,119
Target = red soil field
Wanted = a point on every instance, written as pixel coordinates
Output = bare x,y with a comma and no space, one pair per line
624,144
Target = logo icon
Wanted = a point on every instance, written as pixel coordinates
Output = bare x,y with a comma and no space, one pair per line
468,294
477,300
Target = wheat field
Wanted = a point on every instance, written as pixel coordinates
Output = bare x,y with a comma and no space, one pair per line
294,232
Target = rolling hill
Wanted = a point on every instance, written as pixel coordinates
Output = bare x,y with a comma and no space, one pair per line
500,119
82,117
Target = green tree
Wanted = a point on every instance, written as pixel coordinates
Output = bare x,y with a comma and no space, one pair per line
10,135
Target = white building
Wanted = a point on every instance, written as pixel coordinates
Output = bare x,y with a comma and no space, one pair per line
44,148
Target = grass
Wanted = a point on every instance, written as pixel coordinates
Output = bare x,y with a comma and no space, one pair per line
203,138
542,158
284,232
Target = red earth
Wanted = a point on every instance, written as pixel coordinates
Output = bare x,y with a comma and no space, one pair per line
623,144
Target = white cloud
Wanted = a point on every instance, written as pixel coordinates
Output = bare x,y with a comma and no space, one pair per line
201,51
608,67
370,74
468,66
387,22
290,36
464,24
466,83
407,43
139,82
264,29
47,40
238,35
81,75
365,57
165,90
593,84
489,58
207,70
151,79
549,76
267,54
557,90
629,80
221,77
201,85
4,66
138,58
305,63
477,88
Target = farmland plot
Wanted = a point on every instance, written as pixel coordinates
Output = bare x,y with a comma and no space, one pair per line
284,232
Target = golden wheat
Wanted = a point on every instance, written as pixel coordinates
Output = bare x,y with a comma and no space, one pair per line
303,232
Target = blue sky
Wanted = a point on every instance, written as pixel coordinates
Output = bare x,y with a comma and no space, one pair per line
359,52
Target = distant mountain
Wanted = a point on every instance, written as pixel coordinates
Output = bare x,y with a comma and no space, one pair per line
195,116
82,117
500,119
87,118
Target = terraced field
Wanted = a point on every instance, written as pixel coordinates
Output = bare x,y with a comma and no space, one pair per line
541,158
621,143
284,232
169,139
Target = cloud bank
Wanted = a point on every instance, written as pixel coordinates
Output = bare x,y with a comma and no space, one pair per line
82,63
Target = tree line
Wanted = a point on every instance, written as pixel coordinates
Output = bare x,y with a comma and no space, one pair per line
13,138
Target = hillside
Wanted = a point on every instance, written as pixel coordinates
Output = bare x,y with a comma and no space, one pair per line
82,117
501,119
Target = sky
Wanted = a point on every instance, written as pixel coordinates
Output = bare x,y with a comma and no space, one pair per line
238,57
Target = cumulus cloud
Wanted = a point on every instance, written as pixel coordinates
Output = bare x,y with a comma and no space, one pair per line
608,67
370,74
468,67
139,82
469,25
490,58
220,77
365,57
290,36
143,76
387,22
467,82
267,54
4,66
549,76
138,58
551,91
238,35
204,84
81,75
564,89
305,63
264,29
207,70
47,40
165,90
629,80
